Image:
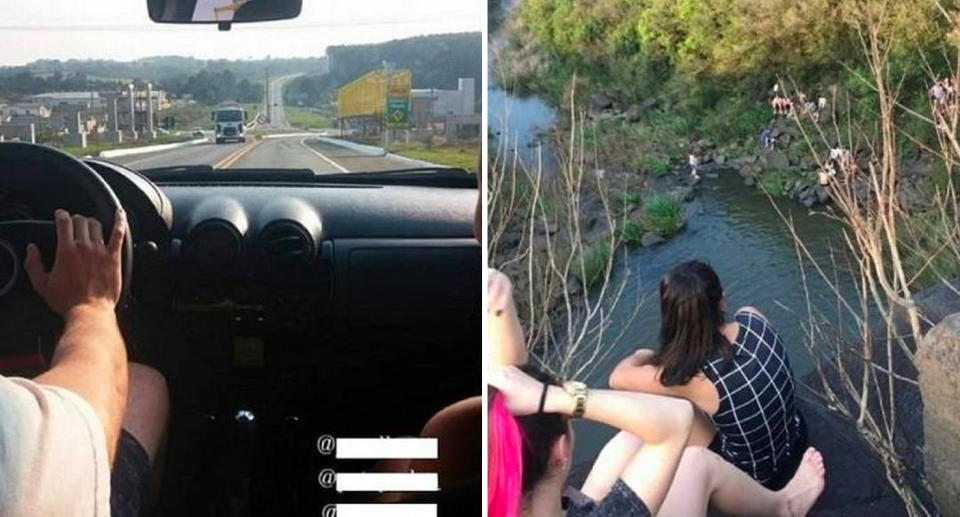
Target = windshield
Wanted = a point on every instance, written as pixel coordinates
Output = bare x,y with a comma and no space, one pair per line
348,86
229,116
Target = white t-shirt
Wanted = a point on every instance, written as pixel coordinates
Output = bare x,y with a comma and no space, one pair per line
53,453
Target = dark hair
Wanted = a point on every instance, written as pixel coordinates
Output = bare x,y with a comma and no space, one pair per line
690,319
539,432
508,467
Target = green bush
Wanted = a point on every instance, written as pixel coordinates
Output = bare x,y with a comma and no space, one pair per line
632,231
774,182
654,165
659,167
662,214
595,260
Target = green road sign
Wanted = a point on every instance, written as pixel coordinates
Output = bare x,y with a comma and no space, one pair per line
398,111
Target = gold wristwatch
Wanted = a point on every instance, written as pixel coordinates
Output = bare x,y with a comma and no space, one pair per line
578,391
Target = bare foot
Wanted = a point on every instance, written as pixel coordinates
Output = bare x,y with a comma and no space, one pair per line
807,484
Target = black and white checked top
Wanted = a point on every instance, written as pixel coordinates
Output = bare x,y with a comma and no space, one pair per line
757,421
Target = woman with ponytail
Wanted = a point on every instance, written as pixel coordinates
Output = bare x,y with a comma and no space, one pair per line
736,373
646,469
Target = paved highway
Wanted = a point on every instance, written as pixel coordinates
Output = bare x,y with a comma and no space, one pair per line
295,151
276,150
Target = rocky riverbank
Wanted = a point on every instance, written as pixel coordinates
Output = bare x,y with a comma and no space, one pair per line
788,170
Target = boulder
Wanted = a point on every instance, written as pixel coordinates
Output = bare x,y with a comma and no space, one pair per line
720,159
634,114
938,363
650,238
749,181
682,193
822,195
601,101
774,159
807,197
704,144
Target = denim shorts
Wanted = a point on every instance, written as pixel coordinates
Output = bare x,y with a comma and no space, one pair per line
620,502
129,477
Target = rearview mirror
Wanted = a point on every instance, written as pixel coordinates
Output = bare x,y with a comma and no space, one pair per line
222,11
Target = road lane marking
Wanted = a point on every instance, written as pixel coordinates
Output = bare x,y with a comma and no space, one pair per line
318,153
236,155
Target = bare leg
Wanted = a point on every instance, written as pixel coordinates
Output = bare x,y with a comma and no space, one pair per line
703,431
704,477
148,405
145,418
610,464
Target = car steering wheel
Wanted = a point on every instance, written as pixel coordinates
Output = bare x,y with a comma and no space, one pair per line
44,179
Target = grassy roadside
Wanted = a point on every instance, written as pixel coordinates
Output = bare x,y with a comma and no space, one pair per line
307,118
463,156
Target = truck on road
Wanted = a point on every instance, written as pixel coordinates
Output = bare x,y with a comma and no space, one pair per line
229,121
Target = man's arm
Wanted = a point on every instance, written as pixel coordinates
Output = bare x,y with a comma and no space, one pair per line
83,287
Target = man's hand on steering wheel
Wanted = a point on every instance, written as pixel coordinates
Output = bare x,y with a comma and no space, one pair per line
86,271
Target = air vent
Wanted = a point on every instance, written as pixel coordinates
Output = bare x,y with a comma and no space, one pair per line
213,247
285,244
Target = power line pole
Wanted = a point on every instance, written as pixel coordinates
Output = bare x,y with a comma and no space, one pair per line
266,93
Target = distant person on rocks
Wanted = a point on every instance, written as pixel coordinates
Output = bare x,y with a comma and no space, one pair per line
694,161
938,95
842,160
767,140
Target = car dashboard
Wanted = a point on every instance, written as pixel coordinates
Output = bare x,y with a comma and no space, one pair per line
280,312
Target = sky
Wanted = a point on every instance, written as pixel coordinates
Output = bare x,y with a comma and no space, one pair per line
121,30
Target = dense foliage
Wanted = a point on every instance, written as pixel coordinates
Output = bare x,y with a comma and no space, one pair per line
701,47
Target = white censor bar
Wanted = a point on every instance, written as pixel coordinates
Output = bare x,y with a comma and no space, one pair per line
386,448
386,510
387,482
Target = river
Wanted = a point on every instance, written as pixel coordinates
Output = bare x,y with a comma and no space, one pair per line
733,227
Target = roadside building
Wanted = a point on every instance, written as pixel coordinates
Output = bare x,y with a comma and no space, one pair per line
89,100
452,113
25,110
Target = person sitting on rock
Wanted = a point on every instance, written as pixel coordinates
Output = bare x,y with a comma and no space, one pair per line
737,373
826,174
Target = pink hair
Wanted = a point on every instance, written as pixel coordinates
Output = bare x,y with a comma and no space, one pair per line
504,461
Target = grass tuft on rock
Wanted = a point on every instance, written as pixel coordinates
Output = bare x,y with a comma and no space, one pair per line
662,214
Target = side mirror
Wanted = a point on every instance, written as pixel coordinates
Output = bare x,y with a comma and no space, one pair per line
222,11
246,116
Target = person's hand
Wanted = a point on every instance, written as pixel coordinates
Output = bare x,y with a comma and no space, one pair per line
499,292
521,392
86,271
